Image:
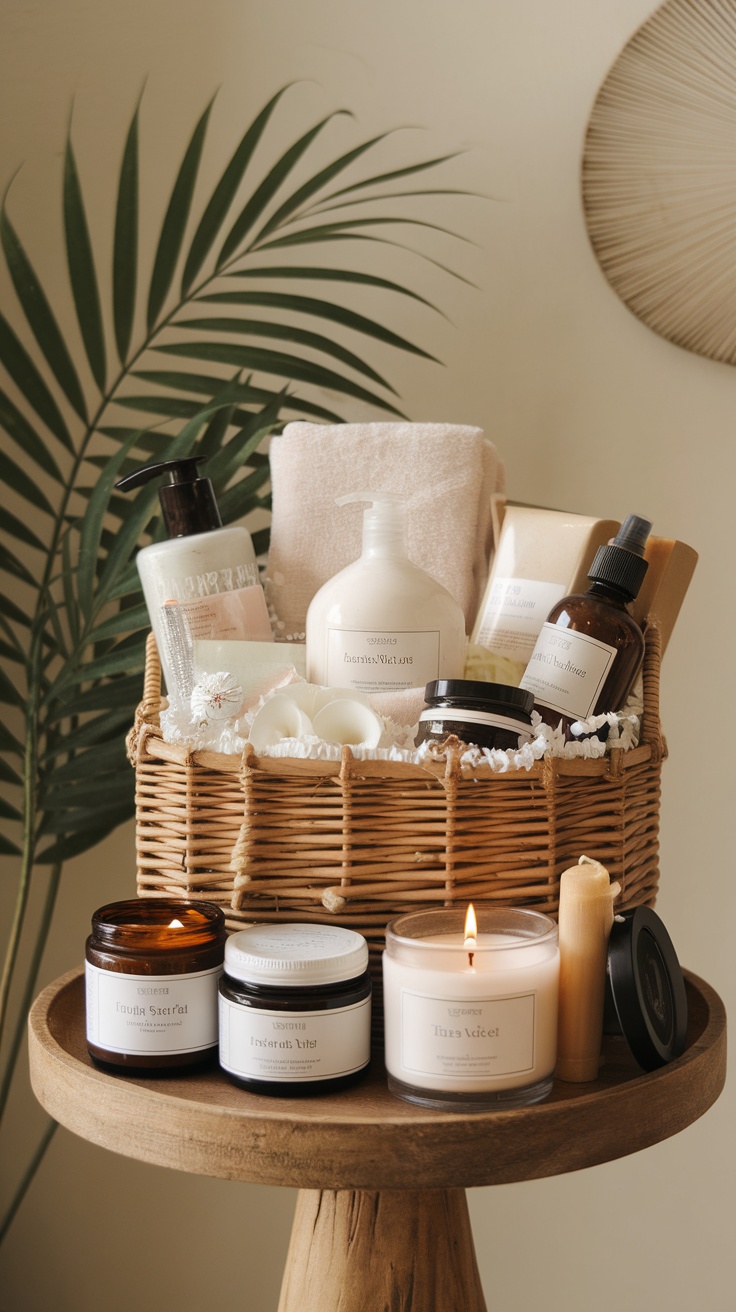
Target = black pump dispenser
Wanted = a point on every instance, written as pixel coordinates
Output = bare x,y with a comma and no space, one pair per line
187,501
621,564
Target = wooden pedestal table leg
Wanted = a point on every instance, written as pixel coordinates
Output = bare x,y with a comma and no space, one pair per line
403,1250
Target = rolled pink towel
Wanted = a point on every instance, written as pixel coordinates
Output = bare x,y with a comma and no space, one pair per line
447,472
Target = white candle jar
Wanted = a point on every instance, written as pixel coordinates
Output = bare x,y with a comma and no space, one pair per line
471,1024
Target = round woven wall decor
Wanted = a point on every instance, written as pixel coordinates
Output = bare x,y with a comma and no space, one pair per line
659,175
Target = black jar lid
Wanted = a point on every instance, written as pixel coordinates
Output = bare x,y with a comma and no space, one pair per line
499,697
646,988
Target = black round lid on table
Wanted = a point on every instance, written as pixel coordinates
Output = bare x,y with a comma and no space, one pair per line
646,988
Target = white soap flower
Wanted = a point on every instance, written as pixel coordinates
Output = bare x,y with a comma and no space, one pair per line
217,697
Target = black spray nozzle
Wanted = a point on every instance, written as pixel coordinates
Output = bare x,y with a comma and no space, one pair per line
621,564
633,534
187,501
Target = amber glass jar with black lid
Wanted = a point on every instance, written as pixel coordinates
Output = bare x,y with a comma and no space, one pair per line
295,1008
479,713
152,969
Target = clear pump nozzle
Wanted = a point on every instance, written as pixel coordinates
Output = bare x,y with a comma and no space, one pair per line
384,522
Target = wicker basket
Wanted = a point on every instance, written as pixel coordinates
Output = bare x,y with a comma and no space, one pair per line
357,842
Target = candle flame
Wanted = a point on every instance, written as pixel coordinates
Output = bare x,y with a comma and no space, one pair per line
471,927
176,924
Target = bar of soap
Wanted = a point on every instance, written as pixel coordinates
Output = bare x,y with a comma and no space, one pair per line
671,567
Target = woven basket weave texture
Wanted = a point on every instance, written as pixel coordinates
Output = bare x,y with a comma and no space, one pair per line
355,843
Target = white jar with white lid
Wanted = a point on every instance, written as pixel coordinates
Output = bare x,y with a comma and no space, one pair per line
295,1008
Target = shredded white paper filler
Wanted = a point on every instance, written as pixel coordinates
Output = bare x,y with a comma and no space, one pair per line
200,728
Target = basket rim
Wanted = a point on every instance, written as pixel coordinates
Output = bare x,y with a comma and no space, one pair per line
154,748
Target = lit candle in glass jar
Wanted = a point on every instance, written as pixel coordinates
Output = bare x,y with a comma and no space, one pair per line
152,970
471,1007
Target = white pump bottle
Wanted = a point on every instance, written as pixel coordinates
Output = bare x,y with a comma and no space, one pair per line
383,624
202,580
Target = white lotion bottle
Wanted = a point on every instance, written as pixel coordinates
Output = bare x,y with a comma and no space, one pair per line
382,624
202,581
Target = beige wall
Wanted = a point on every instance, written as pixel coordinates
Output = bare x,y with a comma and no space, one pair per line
590,410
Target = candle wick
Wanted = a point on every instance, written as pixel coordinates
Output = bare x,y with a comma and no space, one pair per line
470,958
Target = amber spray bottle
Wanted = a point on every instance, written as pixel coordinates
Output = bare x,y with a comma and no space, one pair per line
590,648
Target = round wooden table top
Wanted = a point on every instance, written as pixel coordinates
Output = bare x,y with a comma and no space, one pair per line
364,1138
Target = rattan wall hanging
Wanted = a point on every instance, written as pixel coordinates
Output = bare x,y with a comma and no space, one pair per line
659,175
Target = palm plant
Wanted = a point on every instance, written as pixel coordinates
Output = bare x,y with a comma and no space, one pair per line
72,619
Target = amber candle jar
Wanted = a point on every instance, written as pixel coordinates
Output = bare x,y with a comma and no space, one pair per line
152,970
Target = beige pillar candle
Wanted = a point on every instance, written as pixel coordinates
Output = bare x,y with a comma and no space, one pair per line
585,920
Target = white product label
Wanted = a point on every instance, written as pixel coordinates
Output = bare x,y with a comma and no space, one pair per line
486,1038
371,661
161,1014
288,1046
567,671
204,582
462,716
242,614
513,614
